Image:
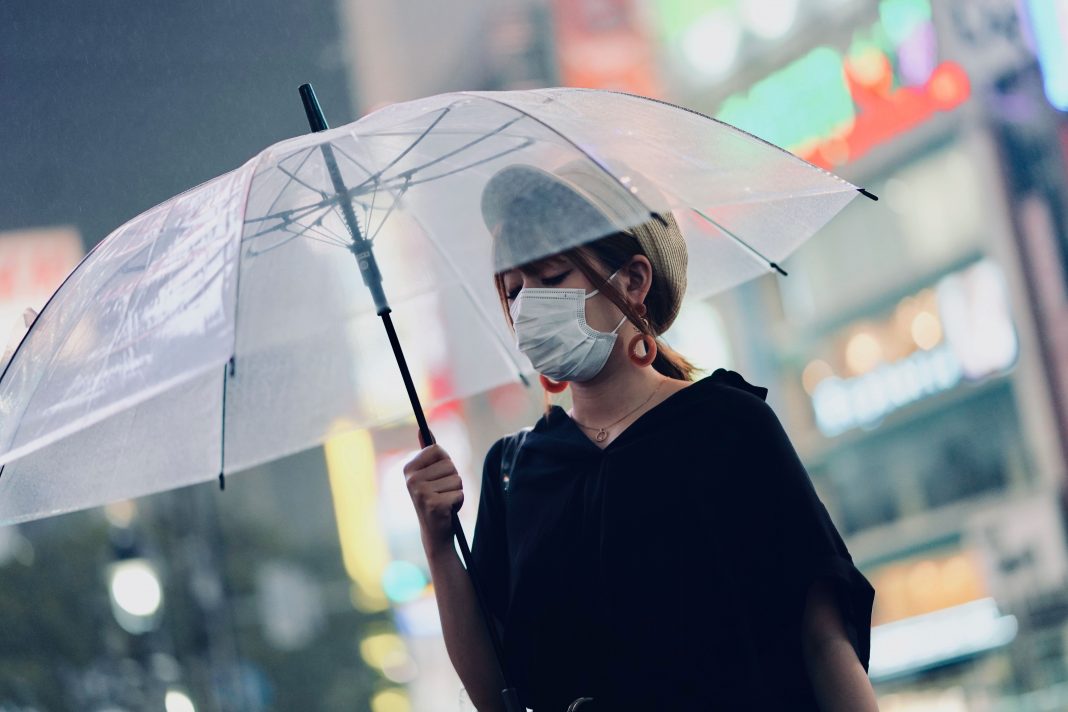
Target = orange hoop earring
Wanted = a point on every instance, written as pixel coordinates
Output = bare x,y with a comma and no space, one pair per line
551,385
650,349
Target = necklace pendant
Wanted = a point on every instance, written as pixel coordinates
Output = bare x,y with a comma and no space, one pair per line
601,435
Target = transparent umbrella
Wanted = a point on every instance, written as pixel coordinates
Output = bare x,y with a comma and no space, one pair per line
230,325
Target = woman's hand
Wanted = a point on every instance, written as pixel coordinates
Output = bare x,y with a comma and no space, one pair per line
436,490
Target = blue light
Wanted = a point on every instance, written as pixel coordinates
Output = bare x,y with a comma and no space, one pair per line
403,581
1049,25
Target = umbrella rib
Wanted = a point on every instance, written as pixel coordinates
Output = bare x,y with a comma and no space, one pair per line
742,242
287,217
294,236
411,171
408,182
374,193
397,194
373,178
322,234
319,231
228,371
237,313
574,145
477,304
526,143
288,214
284,221
292,177
281,190
382,223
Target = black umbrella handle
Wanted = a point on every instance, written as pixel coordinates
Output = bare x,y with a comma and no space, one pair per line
511,698
362,249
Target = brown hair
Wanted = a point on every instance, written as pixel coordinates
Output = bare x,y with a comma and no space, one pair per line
614,251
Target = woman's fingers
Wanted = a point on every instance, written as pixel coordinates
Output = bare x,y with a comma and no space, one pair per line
436,491
434,471
425,457
441,485
449,483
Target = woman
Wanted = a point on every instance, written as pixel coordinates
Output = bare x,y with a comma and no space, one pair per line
659,546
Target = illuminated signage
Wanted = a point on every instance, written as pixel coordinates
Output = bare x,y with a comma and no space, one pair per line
350,464
938,638
831,108
842,404
962,329
1049,26
601,44
931,610
33,263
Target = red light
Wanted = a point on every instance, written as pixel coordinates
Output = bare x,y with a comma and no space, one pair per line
949,85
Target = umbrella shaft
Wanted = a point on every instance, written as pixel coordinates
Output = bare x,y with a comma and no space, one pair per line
509,694
362,249
402,364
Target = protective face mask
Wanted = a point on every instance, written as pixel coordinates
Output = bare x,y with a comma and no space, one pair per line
551,329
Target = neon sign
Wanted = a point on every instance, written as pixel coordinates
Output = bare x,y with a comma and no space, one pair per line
1049,26
831,108
975,339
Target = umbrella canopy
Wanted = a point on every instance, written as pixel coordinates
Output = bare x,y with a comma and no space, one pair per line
231,324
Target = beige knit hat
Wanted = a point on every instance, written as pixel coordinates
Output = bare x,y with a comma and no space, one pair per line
525,205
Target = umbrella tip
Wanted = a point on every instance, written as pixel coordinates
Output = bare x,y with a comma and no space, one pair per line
867,193
778,269
222,481
314,112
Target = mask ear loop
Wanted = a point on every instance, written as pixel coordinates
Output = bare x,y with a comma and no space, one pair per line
648,340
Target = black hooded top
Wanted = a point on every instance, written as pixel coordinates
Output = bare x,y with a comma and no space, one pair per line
668,571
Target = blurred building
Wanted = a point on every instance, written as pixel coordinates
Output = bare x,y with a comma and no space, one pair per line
916,351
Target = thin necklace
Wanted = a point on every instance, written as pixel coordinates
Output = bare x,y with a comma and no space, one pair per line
602,433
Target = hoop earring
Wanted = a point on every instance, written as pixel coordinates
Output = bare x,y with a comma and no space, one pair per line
551,385
650,350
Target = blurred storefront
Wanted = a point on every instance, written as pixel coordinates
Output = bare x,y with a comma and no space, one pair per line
910,353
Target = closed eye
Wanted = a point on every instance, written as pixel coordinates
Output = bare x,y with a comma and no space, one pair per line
548,281
558,279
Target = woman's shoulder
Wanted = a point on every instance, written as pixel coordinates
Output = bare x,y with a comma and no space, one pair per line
726,392
736,383
724,403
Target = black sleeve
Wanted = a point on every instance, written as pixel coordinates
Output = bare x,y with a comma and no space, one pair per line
800,541
489,549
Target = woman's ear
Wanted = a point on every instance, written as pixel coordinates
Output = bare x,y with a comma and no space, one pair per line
638,278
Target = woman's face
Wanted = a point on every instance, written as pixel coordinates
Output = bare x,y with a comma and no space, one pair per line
560,273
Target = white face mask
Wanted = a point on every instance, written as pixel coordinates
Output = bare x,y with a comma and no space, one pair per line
551,329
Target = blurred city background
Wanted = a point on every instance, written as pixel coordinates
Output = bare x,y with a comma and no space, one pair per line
917,353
